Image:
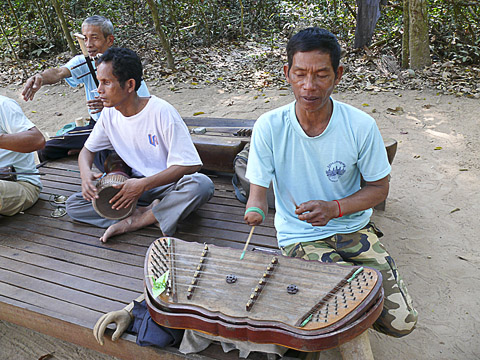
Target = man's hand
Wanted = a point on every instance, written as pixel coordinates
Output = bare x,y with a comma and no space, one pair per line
95,105
89,189
129,192
253,218
32,85
121,318
317,212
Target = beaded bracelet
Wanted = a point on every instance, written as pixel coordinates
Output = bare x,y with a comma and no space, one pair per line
257,210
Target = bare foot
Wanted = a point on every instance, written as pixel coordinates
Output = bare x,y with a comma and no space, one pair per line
141,217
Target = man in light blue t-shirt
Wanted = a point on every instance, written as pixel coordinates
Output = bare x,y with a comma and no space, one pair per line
18,138
98,32
316,150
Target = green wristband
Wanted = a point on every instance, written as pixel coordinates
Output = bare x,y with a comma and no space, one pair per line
257,210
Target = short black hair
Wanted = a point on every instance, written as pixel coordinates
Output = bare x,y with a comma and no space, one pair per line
126,65
311,39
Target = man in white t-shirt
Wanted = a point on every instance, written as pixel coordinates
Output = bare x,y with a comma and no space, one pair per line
98,32
151,138
18,138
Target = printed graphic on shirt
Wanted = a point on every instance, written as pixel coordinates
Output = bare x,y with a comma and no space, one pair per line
152,139
335,170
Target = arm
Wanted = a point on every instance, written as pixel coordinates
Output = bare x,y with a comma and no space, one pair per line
319,213
85,161
49,76
23,142
257,198
132,189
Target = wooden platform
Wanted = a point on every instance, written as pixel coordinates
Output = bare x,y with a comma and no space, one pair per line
58,279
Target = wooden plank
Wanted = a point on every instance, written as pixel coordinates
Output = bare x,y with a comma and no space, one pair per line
31,296
77,270
107,291
54,296
107,265
218,122
69,237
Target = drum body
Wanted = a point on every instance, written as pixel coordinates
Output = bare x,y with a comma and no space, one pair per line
106,192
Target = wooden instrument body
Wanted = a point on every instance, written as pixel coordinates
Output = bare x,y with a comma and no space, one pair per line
219,308
116,173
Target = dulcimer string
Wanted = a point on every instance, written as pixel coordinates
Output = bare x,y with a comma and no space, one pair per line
234,263
273,286
276,280
249,273
281,303
274,291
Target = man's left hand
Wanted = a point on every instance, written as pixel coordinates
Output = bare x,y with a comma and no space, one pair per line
129,192
317,212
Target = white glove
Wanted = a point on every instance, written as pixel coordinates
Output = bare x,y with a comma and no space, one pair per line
121,318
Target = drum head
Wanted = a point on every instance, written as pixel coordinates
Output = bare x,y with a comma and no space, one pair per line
106,192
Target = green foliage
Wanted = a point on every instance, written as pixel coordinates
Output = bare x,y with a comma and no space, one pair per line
454,24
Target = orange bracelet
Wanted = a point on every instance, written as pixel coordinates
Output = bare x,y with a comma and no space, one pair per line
340,214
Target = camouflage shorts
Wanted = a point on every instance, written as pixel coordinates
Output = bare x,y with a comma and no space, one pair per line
398,317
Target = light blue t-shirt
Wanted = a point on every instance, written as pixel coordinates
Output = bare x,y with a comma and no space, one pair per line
90,85
13,121
326,167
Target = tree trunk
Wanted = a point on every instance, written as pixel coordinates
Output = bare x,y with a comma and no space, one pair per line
368,12
19,28
406,35
65,29
419,40
163,39
241,16
13,50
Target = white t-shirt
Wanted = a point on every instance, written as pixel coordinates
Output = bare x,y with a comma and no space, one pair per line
13,121
149,142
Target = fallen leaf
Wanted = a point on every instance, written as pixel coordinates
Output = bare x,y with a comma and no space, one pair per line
454,210
45,357
397,111
438,148
198,113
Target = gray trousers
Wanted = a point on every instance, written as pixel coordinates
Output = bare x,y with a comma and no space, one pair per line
177,201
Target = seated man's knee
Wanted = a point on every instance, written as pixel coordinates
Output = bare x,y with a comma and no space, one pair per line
397,318
74,203
203,185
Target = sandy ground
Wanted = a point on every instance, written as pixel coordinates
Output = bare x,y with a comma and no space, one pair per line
430,223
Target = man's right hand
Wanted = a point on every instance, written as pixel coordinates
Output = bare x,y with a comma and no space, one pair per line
89,190
32,85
